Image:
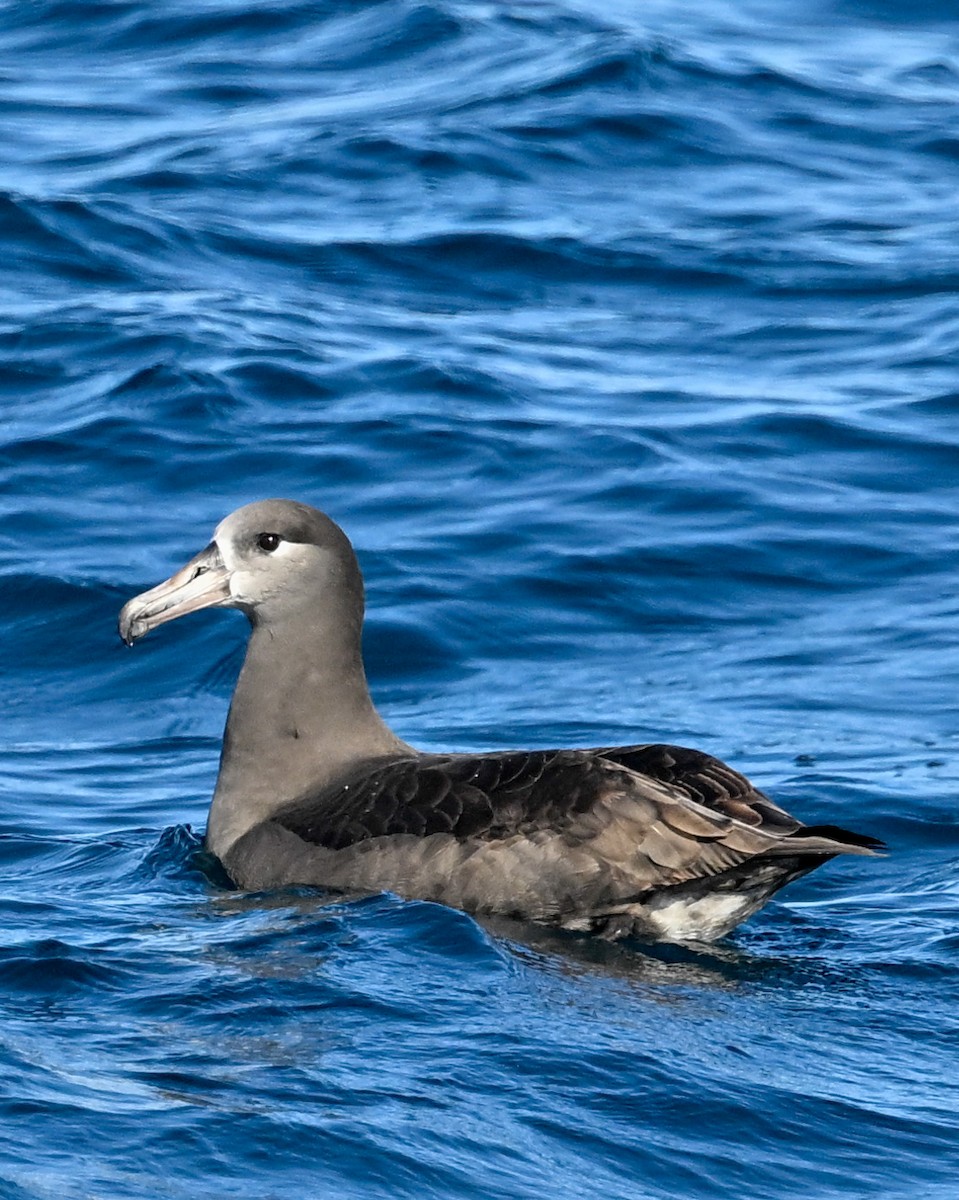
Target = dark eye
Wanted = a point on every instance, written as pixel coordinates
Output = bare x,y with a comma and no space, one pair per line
268,542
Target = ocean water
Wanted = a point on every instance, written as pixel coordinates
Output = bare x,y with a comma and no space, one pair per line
622,340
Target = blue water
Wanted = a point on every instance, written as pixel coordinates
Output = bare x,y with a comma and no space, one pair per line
622,339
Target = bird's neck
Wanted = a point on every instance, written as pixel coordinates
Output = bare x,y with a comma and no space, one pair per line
301,716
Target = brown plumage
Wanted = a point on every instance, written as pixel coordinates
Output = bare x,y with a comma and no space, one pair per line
656,841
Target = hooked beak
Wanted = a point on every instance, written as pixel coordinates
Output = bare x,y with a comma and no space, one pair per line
203,583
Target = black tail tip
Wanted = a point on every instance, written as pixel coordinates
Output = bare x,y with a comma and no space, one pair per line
838,834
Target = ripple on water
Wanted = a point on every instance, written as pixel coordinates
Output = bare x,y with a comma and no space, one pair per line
622,344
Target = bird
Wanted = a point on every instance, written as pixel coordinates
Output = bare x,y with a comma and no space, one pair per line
652,841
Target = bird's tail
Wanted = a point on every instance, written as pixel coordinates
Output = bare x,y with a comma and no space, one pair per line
829,839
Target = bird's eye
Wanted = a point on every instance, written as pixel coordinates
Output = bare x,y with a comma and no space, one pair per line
268,542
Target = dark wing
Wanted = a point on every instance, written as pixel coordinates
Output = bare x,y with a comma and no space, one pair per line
492,797
486,797
543,833
707,781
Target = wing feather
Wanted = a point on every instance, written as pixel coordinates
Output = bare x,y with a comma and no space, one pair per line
649,816
707,781
591,839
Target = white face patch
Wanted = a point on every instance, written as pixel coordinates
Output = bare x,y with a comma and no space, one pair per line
256,575
281,556
225,547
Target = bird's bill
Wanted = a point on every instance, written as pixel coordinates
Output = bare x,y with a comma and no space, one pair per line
203,583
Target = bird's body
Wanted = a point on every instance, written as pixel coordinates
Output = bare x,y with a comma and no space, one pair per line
655,841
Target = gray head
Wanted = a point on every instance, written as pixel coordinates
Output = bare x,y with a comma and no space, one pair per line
276,560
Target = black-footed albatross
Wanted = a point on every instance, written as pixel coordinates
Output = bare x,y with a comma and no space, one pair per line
655,841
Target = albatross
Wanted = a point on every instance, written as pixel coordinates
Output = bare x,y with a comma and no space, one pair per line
657,842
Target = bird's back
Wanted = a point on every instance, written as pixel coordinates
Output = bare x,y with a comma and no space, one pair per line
606,840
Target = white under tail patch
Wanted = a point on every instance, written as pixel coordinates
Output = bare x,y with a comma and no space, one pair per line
702,919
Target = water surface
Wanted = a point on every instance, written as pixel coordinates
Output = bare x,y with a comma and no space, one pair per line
623,344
